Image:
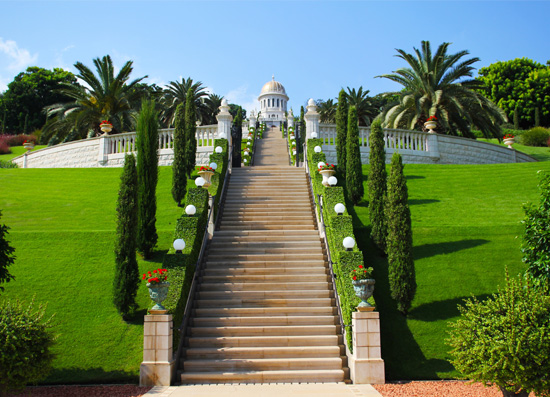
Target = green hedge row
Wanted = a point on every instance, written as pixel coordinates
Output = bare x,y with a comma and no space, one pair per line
337,228
251,131
292,146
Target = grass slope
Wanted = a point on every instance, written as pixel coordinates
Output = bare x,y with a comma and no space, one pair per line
465,222
63,225
18,151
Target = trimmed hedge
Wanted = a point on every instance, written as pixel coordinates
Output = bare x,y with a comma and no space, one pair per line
337,228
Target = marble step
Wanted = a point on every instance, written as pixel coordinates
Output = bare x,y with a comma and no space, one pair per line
265,320
264,311
259,302
302,376
263,364
264,286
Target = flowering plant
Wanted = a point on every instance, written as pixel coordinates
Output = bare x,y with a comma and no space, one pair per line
432,118
508,136
156,277
326,167
206,168
106,122
361,273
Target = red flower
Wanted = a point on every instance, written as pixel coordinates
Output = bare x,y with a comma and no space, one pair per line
355,277
432,118
144,276
360,266
354,270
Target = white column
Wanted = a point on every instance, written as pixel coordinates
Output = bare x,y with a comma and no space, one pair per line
158,362
102,155
224,120
366,364
252,119
312,119
290,119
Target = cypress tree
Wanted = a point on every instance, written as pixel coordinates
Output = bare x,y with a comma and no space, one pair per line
399,241
354,172
190,130
126,282
7,256
516,118
179,166
302,123
341,132
147,170
377,185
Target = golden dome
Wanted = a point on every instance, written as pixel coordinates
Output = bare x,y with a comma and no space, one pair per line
273,87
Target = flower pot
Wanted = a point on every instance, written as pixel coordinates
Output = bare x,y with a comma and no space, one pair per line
509,142
430,125
28,146
158,293
106,128
206,175
326,174
364,290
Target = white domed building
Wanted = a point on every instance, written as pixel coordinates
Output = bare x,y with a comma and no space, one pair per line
273,103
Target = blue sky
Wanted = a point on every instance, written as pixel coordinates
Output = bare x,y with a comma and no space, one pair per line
313,48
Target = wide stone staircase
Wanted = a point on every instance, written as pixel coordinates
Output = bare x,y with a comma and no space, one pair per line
265,309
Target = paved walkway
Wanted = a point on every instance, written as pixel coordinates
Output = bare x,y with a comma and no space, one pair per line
266,390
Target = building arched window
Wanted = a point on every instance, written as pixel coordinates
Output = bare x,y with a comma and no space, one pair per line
277,102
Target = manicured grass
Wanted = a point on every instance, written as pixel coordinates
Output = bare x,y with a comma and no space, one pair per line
63,225
18,151
465,223
539,153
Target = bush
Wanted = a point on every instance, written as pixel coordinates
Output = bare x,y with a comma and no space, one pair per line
354,171
4,147
505,340
377,185
7,164
537,136
25,342
7,256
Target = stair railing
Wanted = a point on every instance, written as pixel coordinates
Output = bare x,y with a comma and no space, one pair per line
221,204
322,232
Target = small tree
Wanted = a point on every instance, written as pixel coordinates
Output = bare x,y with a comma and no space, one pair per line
354,172
341,132
505,340
302,123
126,281
399,240
377,185
25,342
179,166
190,130
147,170
536,237
7,256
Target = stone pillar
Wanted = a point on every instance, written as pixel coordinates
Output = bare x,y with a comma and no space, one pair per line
366,364
252,120
290,119
433,147
158,364
25,159
312,119
102,156
224,121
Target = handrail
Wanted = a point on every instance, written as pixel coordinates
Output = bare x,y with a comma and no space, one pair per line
228,172
191,296
322,229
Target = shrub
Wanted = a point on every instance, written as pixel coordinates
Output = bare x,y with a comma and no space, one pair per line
4,147
341,132
377,185
505,340
536,236
147,170
537,136
7,164
18,140
190,130
179,166
354,172
399,240
25,342
7,256
126,280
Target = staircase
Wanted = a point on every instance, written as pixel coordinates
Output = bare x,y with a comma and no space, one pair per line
265,310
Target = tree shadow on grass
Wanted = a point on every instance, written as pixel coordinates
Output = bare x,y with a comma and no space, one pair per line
422,201
414,177
428,250
403,357
75,376
441,310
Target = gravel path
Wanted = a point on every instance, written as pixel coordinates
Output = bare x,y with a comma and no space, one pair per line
401,389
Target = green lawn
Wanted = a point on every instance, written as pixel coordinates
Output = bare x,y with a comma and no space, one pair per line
63,229
540,153
18,151
465,222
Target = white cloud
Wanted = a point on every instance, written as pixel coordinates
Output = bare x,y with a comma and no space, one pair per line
18,58
242,97
59,62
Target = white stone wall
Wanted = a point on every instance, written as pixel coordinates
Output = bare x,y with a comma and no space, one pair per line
85,154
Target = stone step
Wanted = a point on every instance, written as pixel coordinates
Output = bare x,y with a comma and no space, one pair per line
229,243
264,311
265,320
273,217
244,302
257,295
302,376
245,265
209,270
264,341
267,233
264,352
231,250
264,286
253,225
240,256
259,210
263,364
267,330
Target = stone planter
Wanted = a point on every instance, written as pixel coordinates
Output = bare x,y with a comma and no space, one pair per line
364,290
207,176
106,128
158,293
326,174
430,125
29,146
509,142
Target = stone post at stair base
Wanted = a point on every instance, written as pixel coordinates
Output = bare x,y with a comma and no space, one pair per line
158,363
366,364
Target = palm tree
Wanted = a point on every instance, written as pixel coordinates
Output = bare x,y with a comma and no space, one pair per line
175,93
102,97
366,111
327,110
212,107
435,86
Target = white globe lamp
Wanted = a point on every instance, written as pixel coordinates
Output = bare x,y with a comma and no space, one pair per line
348,243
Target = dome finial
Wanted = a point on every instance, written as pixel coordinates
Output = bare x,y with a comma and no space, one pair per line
273,77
